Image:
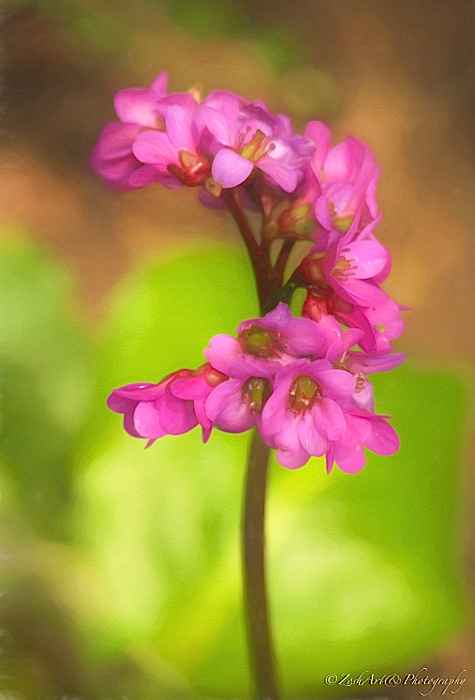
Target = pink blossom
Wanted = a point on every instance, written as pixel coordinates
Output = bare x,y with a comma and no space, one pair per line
246,135
236,405
347,175
362,429
172,407
113,157
348,277
323,304
153,142
303,416
264,345
318,410
300,381
174,152
350,269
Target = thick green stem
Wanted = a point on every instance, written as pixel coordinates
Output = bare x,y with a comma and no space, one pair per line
261,646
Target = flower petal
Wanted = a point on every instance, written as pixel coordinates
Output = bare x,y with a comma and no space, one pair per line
370,258
176,416
329,419
223,352
311,438
320,134
337,383
230,169
350,458
383,439
147,421
112,157
178,122
217,123
135,106
227,410
290,451
284,176
154,147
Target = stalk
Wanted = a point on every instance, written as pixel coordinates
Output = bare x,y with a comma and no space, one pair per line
259,631
261,648
267,281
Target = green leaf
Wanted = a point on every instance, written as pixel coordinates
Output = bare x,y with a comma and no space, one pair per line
45,381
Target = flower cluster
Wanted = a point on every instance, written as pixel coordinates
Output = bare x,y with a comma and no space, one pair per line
301,381
178,139
298,381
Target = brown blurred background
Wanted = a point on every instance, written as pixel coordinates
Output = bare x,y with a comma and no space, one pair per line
398,74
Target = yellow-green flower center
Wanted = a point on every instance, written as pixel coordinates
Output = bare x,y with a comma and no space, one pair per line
343,268
256,391
257,147
259,342
304,393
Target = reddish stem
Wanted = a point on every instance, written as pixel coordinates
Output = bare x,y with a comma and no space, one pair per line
268,284
282,258
261,647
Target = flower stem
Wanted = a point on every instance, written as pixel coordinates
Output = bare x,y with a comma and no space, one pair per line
233,203
283,257
267,283
261,649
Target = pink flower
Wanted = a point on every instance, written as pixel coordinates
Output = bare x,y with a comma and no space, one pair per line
246,136
318,410
264,345
113,157
236,405
174,152
348,278
173,140
299,381
172,407
347,175
153,141
350,269
362,429
303,415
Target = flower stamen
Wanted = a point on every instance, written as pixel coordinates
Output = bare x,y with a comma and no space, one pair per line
259,342
304,393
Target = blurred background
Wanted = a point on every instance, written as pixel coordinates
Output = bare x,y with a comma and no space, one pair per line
120,568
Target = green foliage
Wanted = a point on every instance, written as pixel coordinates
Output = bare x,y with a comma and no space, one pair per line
107,30
46,381
81,24
364,570
207,17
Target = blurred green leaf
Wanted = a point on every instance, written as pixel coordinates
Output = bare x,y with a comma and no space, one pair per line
108,29
364,569
45,381
81,23
207,17
277,48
